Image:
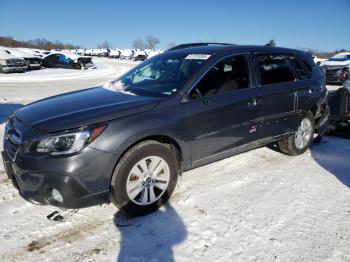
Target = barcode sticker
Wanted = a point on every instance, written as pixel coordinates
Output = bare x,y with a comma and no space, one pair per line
198,56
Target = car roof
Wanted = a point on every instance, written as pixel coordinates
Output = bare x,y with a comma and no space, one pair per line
217,49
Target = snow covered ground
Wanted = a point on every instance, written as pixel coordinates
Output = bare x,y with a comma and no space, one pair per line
256,206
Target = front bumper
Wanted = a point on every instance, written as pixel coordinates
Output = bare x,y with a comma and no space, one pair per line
82,179
13,69
34,66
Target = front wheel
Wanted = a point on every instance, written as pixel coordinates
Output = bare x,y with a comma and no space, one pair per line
144,178
299,142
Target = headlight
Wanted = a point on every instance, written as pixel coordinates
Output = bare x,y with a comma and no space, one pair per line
68,143
3,62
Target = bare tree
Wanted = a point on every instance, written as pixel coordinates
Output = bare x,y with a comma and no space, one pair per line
36,43
271,43
138,44
151,42
105,44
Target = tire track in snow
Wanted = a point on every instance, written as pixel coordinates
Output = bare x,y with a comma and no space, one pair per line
74,233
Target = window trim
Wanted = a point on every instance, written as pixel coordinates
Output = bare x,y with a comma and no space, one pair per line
257,71
186,96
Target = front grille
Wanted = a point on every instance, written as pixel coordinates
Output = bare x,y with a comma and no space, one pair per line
12,140
15,62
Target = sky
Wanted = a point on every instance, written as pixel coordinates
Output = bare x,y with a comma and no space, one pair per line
323,25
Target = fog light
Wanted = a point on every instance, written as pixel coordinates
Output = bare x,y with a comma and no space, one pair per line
57,195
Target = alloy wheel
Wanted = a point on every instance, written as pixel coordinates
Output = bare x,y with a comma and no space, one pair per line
148,180
304,133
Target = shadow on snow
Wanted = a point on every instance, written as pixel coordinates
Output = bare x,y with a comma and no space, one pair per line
333,154
151,237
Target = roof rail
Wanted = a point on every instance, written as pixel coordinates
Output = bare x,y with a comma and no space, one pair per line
182,46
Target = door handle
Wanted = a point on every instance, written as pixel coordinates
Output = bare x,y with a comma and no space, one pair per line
311,90
252,103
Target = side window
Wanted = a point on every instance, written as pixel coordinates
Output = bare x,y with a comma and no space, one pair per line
300,66
55,57
308,65
228,75
273,69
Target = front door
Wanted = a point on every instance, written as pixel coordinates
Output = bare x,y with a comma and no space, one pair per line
221,109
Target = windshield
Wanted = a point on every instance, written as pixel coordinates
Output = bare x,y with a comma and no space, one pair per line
161,75
340,58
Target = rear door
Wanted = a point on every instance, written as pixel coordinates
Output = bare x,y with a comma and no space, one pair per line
221,109
276,95
306,86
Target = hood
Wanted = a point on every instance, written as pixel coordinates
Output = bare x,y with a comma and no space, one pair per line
5,55
82,108
335,63
20,53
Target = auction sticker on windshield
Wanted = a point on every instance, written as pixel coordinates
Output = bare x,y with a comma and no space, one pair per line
198,56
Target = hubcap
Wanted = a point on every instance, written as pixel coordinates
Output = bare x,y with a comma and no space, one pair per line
304,133
148,180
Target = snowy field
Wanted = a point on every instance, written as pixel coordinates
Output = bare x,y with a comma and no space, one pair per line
257,206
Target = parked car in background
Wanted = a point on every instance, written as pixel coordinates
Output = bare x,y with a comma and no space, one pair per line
339,103
127,54
80,51
337,68
36,52
129,141
139,55
101,52
114,53
70,61
11,64
33,62
87,52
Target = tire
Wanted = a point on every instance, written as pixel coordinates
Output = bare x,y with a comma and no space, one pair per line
131,189
292,145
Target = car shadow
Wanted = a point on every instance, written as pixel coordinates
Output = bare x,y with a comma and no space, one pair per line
341,131
6,109
333,154
151,237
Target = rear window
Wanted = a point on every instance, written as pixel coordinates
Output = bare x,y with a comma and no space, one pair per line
301,67
273,69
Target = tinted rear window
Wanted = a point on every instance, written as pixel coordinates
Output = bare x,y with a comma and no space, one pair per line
301,67
273,69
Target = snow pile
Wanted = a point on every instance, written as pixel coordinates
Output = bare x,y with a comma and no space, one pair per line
105,68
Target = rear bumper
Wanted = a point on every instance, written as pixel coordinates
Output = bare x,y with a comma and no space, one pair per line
82,180
322,123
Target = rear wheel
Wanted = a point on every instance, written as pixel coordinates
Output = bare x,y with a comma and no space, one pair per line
299,142
144,178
